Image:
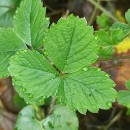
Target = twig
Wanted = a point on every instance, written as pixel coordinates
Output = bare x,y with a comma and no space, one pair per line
66,13
112,113
113,121
104,10
115,58
112,66
93,14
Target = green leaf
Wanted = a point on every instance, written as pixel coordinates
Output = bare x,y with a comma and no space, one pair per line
127,16
30,22
127,84
9,44
27,120
35,79
18,101
103,21
87,89
77,86
123,26
7,10
72,43
113,37
108,40
124,96
61,119
4,63
106,52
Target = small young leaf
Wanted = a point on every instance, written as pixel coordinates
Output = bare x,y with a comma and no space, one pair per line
9,44
113,37
123,26
106,52
30,22
124,96
127,16
26,120
108,40
61,119
103,21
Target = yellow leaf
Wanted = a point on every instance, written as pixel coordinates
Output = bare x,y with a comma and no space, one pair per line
123,46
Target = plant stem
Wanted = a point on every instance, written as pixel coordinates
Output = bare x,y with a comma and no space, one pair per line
93,14
38,112
104,10
112,66
53,101
6,6
113,121
115,58
49,61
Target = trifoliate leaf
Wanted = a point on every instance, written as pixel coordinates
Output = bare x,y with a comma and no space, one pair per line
35,80
77,85
61,119
124,96
27,120
103,21
71,44
9,44
7,10
30,22
127,16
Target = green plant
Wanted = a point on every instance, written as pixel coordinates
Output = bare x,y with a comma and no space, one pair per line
7,10
55,62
